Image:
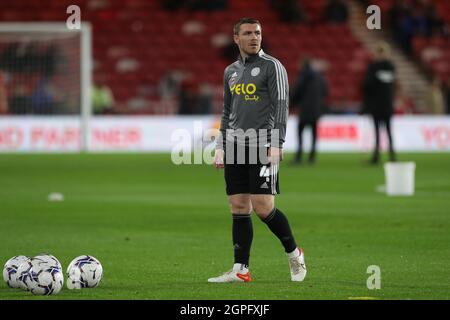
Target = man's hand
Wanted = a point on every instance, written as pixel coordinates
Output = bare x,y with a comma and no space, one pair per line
275,155
218,159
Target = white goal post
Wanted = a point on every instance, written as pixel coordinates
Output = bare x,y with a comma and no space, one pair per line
76,44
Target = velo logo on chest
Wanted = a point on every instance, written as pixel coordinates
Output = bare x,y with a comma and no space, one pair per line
247,90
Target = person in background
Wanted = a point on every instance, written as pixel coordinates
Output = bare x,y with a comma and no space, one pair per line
447,95
435,97
205,99
43,97
379,94
289,11
187,95
19,101
336,11
3,95
309,93
102,98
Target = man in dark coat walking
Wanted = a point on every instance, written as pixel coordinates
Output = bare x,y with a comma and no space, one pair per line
308,95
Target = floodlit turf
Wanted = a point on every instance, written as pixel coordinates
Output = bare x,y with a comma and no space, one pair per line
161,230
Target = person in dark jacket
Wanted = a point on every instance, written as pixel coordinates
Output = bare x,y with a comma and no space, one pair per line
336,11
447,95
308,95
379,93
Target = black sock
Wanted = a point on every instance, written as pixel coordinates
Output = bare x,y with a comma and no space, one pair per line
242,237
279,225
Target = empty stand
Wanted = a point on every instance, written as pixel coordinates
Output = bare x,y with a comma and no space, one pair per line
136,43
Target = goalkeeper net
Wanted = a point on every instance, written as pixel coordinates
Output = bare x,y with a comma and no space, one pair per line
40,71
45,69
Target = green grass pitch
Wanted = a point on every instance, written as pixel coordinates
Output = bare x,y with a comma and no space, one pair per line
161,230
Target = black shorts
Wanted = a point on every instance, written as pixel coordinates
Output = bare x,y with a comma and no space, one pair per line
253,175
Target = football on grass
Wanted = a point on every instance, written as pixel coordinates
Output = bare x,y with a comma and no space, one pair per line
84,272
10,270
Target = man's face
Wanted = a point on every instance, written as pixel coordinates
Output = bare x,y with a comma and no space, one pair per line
249,38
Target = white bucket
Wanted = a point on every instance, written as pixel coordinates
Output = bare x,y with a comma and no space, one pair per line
399,178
